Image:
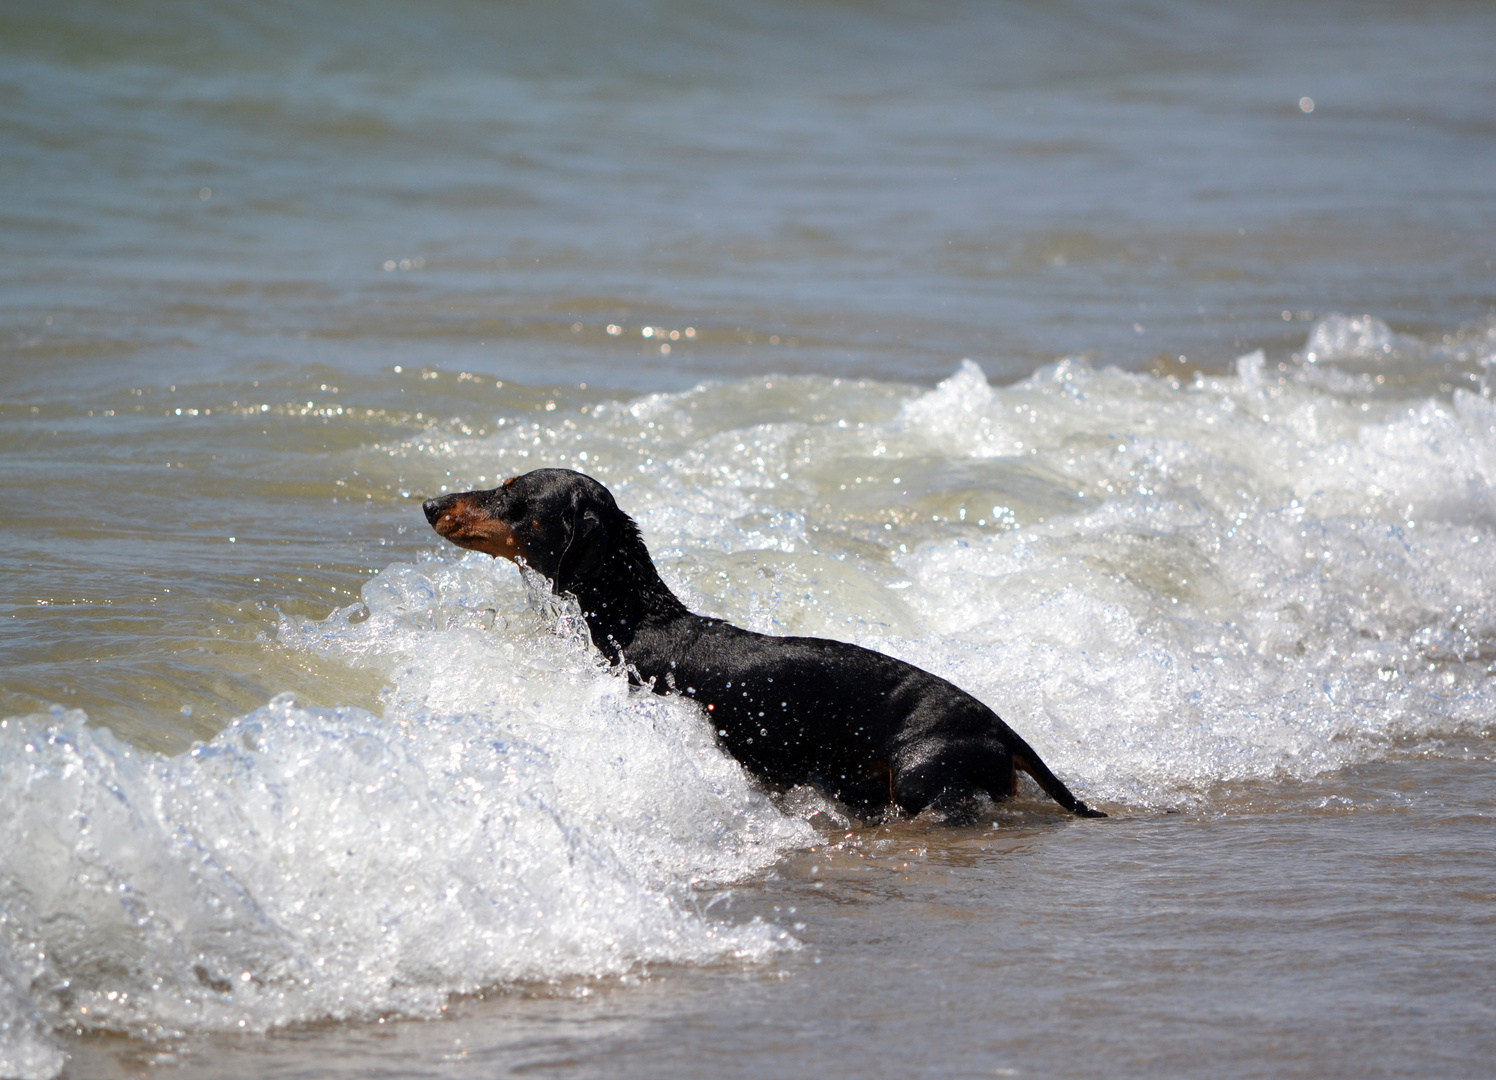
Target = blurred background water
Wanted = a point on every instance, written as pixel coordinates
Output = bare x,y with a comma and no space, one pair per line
273,272
894,186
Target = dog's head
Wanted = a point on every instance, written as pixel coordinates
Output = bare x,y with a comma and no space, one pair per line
553,520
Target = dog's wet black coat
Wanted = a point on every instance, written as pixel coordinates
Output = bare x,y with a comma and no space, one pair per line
867,728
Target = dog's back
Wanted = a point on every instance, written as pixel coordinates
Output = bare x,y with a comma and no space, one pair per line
869,728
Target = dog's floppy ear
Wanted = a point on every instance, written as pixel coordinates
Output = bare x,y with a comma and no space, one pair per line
587,547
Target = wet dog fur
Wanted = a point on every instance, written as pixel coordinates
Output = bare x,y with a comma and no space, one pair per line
872,731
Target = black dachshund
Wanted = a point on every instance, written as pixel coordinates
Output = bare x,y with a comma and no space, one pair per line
867,728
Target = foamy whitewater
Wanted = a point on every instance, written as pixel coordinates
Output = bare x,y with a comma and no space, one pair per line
1168,587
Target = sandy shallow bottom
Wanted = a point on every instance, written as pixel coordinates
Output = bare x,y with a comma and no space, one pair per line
1336,928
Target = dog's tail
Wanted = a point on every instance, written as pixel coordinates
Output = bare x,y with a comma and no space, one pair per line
1024,758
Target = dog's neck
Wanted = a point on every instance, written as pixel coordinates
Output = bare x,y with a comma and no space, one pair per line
625,594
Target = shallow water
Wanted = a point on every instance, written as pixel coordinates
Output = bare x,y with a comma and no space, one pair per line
1065,354
1310,930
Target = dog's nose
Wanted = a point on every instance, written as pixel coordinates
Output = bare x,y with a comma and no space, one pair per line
432,508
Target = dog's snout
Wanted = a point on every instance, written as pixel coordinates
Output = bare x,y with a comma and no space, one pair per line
468,520
447,507
445,512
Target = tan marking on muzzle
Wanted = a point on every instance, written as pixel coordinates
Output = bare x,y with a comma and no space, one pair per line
468,525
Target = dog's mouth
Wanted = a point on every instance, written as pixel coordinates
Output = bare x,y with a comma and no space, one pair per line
462,520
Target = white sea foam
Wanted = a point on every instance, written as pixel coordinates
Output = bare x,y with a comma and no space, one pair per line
1165,587
1257,579
27,1051
1342,337
516,815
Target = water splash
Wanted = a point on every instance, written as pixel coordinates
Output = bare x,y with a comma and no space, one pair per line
1165,587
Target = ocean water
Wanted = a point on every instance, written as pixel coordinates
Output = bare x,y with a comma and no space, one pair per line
1129,367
